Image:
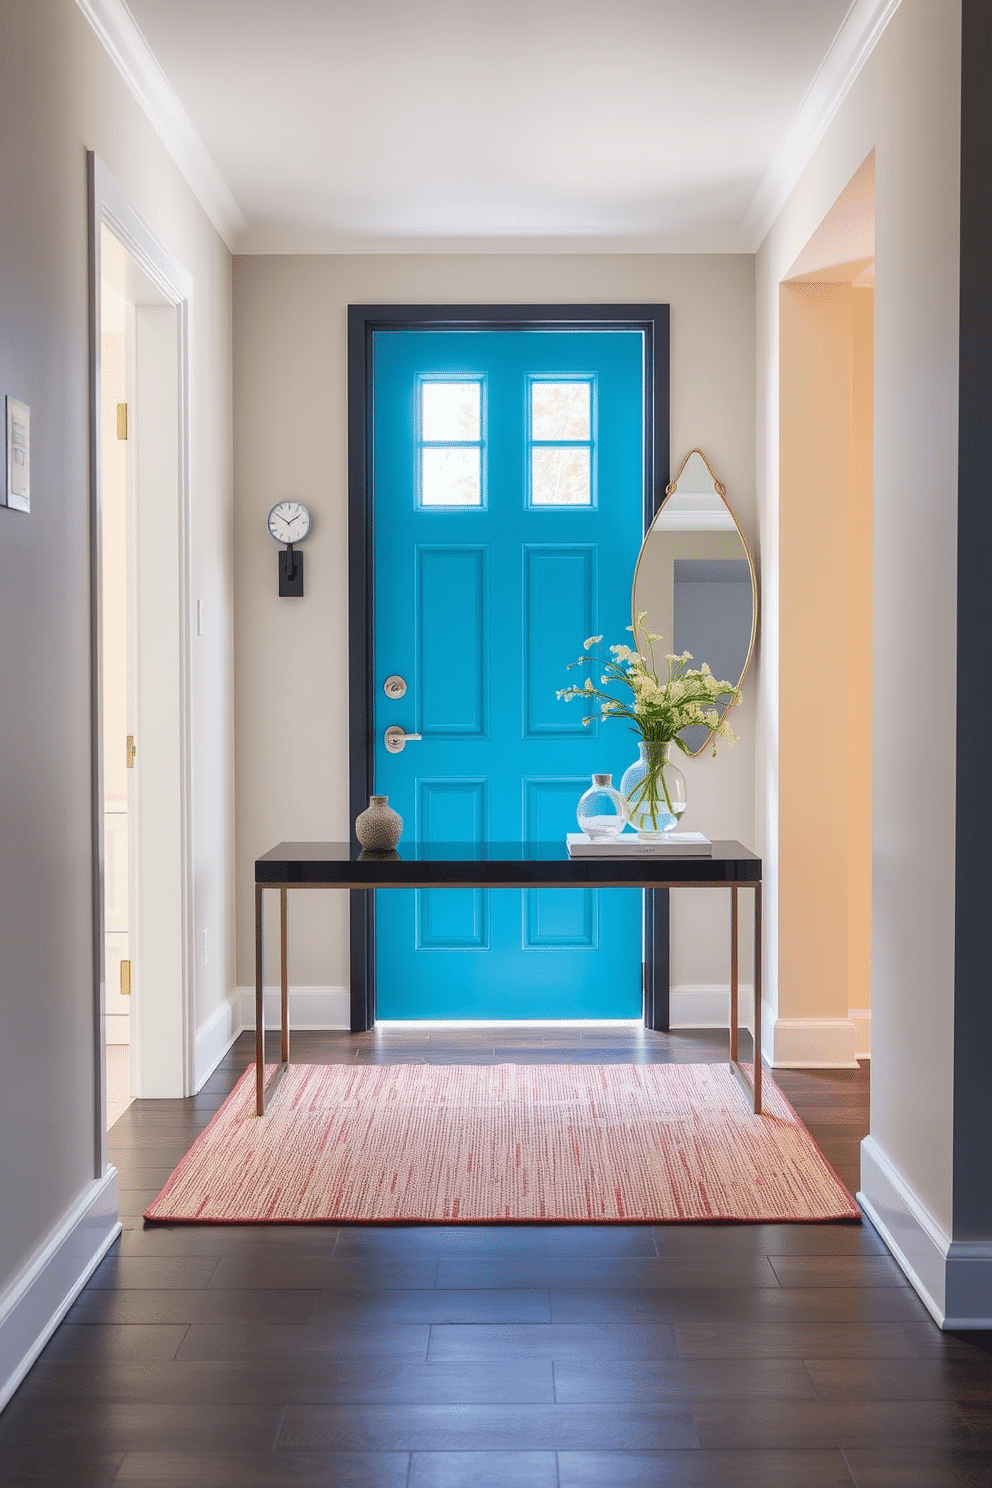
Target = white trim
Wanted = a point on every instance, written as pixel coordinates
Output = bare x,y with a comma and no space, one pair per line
309,1007
111,207
412,1025
215,1036
318,241
953,1278
39,1297
130,227
707,1005
130,53
861,1018
813,1043
854,43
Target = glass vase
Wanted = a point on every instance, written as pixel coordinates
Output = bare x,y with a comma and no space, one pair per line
654,790
602,811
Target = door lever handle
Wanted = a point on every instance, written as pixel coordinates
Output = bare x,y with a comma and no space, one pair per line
395,739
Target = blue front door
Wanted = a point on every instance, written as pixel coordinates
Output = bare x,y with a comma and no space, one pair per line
508,498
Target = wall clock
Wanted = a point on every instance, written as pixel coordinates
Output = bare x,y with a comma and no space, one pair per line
289,523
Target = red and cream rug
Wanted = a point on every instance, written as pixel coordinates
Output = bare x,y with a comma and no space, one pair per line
508,1143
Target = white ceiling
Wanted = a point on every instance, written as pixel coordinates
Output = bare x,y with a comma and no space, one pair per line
378,125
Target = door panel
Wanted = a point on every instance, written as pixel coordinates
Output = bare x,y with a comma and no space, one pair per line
560,592
452,811
507,499
557,918
452,581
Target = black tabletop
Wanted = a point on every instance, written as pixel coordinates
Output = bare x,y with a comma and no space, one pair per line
493,864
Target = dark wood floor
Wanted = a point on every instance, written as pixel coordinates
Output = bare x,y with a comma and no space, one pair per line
725,1356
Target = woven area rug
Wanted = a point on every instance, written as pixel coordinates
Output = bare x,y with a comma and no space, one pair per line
508,1143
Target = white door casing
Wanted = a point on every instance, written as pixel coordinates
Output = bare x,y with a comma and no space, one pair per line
160,909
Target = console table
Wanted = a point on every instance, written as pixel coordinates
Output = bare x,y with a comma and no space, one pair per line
495,865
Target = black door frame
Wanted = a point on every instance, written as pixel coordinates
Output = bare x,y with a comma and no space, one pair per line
363,321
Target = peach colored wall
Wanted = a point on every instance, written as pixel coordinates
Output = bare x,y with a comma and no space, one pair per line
825,689
859,651
815,448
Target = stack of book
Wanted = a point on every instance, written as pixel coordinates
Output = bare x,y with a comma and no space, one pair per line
629,845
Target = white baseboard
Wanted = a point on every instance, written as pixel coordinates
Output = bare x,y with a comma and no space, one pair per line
215,1036
309,1007
39,1297
813,1043
707,1005
861,1018
952,1277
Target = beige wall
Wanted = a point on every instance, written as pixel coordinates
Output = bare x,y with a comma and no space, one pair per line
905,104
291,439
59,95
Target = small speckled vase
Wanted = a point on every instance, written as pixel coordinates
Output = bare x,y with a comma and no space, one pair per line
379,827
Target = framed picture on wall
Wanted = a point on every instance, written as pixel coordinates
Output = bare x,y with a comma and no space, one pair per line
17,489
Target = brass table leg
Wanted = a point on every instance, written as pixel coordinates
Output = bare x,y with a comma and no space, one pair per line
757,998
259,1008
284,976
752,1085
260,1001
734,957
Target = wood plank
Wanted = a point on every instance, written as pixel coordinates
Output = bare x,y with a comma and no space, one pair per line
781,1353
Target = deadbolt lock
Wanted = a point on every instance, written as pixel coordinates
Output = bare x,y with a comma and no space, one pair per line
394,687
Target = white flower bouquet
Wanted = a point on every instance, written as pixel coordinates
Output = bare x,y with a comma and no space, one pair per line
658,706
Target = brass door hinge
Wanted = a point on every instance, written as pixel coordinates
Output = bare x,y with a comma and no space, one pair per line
122,421
125,979
131,751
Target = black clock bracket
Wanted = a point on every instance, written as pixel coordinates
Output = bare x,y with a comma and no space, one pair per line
290,573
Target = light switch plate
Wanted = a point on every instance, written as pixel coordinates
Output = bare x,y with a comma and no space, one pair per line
18,482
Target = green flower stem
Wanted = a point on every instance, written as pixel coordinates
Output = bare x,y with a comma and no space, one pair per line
647,791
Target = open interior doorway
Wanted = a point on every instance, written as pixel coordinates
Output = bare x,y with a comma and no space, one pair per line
826,327
143,962
117,420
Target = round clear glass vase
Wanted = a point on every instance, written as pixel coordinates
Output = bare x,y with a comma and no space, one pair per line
602,811
654,790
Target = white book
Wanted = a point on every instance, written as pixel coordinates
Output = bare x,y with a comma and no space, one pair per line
629,845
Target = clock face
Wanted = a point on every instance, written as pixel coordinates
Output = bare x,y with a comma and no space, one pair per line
289,522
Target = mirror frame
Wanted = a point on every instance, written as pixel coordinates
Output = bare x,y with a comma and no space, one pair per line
721,491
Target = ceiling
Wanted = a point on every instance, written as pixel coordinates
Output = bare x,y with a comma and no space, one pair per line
382,125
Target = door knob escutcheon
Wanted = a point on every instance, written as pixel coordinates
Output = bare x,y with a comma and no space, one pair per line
395,739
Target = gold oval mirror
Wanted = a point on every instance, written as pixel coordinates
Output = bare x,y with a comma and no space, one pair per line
695,580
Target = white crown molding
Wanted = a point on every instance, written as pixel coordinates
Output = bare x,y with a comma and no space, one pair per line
286,240
130,53
854,43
